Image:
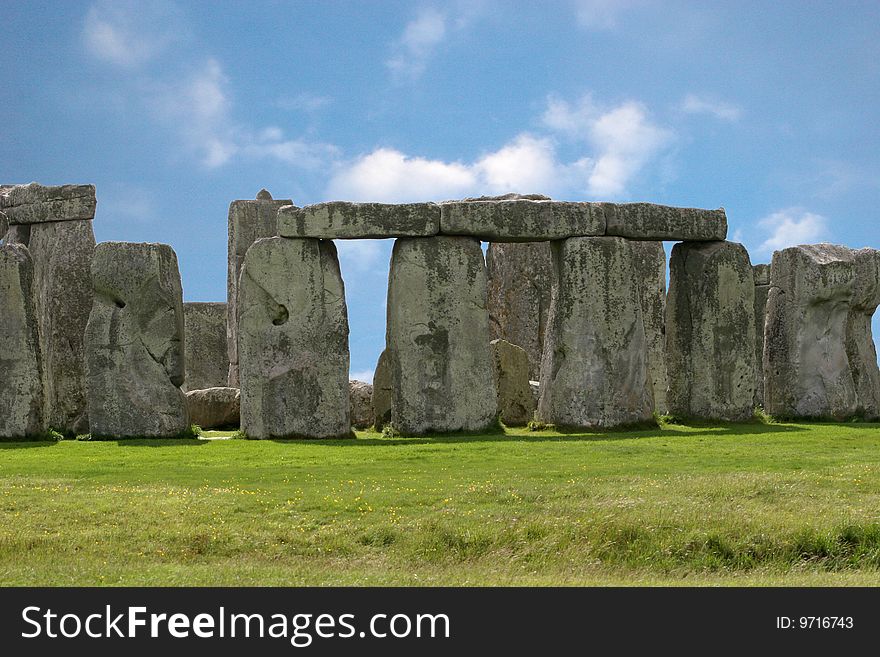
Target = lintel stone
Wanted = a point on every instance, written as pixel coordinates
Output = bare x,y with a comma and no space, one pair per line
36,204
647,221
521,220
344,220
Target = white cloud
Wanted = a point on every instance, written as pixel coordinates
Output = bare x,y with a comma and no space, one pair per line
420,38
791,227
360,255
624,140
127,33
693,104
364,375
600,14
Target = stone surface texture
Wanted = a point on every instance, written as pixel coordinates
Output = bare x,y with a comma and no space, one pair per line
648,221
860,347
516,405
762,292
520,283
35,203
248,222
134,343
710,332
361,400
21,381
293,341
594,371
520,219
343,220
649,259
438,337
214,408
806,368
381,393
206,359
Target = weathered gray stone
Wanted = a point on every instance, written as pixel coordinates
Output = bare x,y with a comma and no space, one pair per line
361,395
806,369
438,337
207,362
649,259
62,254
381,397
21,381
134,343
248,222
762,292
710,332
860,347
20,234
35,203
516,405
343,220
214,408
4,226
520,281
647,221
535,388
520,219
594,371
293,341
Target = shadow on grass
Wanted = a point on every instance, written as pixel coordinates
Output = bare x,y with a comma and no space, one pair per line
25,444
157,442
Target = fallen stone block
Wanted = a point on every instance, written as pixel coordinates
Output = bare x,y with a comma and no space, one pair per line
214,408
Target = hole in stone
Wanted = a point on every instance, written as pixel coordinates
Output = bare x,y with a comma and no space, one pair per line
119,303
281,316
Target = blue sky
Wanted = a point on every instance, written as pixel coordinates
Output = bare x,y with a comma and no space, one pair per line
173,109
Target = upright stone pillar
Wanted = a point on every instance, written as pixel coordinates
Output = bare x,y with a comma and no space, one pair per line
248,222
21,381
860,347
55,223
710,331
438,337
381,394
806,369
650,271
206,359
762,292
594,371
293,341
134,343
520,281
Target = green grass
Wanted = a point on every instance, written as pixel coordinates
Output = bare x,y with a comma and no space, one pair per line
778,504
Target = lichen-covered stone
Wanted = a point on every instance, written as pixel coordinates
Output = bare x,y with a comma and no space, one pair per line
134,343
648,221
516,405
595,367
806,368
438,337
21,381
649,259
710,331
762,292
520,219
207,362
214,408
62,254
381,393
520,281
293,341
343,220
860,347
35,203
361,395
248,222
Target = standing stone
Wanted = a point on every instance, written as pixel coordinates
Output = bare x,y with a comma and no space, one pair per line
214,408
381,397
134,343
520,281
762,292
21,382
649,259
438,337
806,368
860,347
206,359
361,395
55,223
293,341
710,331
248,222
516,405
594,371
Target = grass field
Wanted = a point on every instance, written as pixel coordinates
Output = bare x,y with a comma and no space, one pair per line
738,504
